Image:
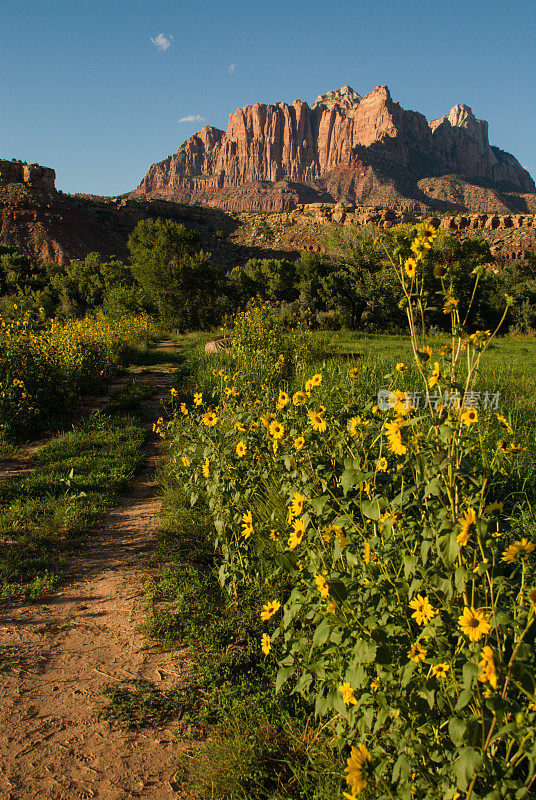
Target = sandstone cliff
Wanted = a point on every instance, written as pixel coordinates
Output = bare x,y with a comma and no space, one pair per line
344,146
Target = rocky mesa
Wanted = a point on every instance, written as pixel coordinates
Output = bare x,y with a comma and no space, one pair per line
365,150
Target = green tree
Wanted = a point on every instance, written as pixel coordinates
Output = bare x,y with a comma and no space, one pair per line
265,279
186,288
360,285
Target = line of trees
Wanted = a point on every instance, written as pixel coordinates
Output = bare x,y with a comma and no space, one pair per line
351,285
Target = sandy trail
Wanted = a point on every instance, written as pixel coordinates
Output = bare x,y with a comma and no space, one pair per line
68,648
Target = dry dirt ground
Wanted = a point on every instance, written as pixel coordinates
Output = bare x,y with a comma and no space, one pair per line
79,641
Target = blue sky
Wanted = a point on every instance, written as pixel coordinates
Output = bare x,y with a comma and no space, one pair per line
96,89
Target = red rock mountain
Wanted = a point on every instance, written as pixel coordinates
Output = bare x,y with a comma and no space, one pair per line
366,150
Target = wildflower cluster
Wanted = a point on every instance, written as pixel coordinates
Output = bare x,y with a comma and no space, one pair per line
44,366
401,600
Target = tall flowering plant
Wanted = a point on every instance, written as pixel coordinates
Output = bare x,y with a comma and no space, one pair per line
400,592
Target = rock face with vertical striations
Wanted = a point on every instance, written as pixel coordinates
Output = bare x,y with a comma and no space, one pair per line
366,150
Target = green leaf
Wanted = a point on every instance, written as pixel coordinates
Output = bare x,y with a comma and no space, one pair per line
364,652
282,677
350,478
465,697
469,674
321,633
318,503
402,768
448,548
465,766
337,590
370,509
457,728
410,563
433,488
286,560
460,579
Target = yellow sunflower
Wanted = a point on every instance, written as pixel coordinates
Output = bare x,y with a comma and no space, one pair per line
299,398
269,609
469,416
266,644
417,652
347,693
440,670
210,419
185,461
424,354
276,429
206,468
322,586
297,504
467,527
451,304
298,532
474,624
518,551
410,265
198,398
299,442
357,771
394,437
282,400
247,526
423,610
316,421
241,449
488,673
357,426
436,374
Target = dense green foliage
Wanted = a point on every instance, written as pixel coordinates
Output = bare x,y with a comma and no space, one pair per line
179,278
67,291
350,285
394,549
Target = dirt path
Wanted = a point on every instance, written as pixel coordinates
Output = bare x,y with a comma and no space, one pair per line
70,647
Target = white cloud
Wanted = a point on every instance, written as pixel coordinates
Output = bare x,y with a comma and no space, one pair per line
192,118
162,42
231,69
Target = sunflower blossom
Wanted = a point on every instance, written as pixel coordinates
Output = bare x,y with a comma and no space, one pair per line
269,609
440,670
297,534
423,610
297,504
417,652
358,769
488,673
316,421
474,624
467,527
347,694
518,551
322,586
